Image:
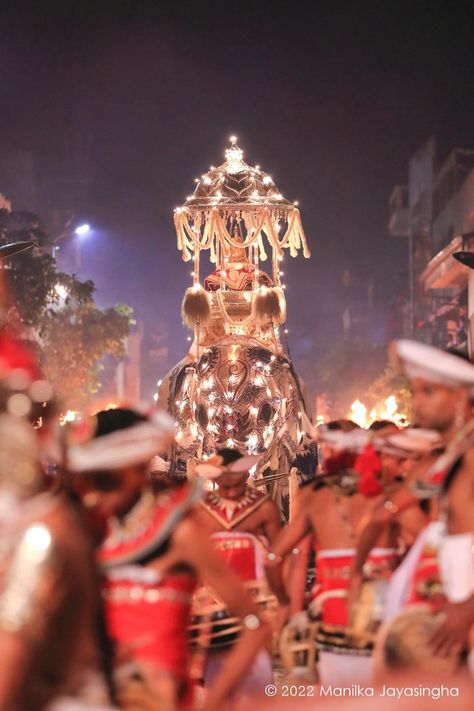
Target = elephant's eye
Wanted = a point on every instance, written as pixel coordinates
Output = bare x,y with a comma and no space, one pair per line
266,412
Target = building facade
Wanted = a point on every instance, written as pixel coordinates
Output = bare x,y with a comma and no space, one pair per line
435,213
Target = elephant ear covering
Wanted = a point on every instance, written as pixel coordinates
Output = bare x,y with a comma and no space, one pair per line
196,307
269,304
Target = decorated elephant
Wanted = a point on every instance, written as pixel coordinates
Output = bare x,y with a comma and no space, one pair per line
237,387
240,394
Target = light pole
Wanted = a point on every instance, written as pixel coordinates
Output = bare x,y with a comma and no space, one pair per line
78,232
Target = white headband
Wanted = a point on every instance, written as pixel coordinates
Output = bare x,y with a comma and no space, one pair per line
123,448
215,468
419,360
353,441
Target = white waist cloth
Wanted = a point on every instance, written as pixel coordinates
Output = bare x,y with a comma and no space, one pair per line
135,574
336,553
456,562
382,552
346,552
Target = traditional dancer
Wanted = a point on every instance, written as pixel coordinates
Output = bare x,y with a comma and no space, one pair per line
235,512
441,384
153,556
242,522
300,571
406,454
333,514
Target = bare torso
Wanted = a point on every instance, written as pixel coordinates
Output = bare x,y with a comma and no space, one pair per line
336,520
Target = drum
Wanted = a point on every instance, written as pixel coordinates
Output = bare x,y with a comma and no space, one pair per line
215,631
297,649
368,612
367,615
213,627
404,644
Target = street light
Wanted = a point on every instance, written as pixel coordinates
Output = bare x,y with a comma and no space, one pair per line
82,230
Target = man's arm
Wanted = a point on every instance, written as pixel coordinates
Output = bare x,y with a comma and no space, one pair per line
458,617
383,516
298,576
411,521
292,534
454,630
272,524
288,539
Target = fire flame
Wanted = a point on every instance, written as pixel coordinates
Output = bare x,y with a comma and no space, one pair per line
359,413
387,411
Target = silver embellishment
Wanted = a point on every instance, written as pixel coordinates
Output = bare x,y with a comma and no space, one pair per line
135,594
251,622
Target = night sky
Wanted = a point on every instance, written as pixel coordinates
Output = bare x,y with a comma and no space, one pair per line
331,99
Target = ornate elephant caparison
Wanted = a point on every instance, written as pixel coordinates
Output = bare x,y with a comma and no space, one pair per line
237,387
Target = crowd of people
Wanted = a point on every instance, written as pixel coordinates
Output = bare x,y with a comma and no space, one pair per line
124,588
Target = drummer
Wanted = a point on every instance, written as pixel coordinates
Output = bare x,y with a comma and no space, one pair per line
442,386
234,510
333,513
403,456
242,523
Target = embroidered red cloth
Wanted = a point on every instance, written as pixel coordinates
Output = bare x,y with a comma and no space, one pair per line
237,276
333,574
242,552
332,581
152,620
